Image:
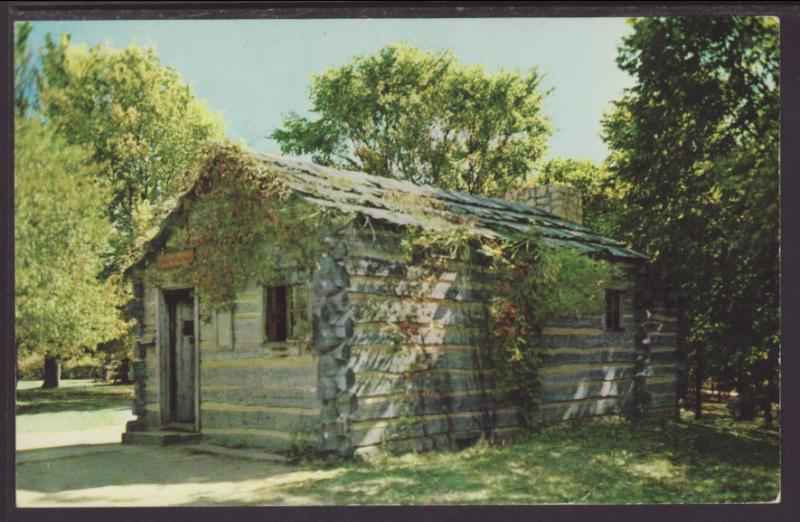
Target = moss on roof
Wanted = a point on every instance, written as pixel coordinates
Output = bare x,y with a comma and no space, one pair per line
404,203
407,204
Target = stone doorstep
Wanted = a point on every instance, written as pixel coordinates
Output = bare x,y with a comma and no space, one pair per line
250,454
190,442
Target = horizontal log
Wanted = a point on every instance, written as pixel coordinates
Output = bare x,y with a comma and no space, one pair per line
583,408
280,350
375,432
561,356
585,373
606,339
562,411
387,334
592,321
385,383
600,389
409,357
252,360
302,378
458,291
430,403
366,265
265,395
398,310
437,441
222,415
272,440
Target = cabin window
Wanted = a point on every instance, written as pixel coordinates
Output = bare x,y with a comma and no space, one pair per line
613,315
277,313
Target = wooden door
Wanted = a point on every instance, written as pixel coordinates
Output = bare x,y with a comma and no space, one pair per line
181,356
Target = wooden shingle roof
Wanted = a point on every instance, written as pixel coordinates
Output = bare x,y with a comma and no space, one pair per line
407,204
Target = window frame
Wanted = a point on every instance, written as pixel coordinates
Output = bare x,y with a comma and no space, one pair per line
269,311
613,315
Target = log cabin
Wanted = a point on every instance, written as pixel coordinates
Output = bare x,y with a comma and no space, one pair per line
312,360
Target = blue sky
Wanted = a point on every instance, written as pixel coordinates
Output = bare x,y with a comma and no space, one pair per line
256,71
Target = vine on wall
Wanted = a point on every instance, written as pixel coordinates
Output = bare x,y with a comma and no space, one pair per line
537,283
532,283
244,223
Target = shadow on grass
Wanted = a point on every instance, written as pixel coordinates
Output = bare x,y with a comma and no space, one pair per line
643,462
81,398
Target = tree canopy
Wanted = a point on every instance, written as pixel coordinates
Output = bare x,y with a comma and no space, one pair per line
143,125
24,71
61,230
424,117
694,156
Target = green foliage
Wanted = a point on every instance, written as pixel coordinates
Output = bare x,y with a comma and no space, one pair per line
25,74
61,307
600,201
142,124
245,224
694,156
537,283
532,283
405,113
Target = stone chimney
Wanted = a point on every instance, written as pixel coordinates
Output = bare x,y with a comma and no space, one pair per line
560,200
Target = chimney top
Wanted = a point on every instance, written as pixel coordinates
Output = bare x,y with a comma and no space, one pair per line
560,200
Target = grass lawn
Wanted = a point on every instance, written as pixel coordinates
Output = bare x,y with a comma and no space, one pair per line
653,461
656,461
80,411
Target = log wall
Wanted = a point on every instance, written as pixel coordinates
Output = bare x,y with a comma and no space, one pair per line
416,350
589,370
252,392
395,357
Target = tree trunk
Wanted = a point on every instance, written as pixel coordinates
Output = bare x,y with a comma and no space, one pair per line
52,371
768,415
123,374
698,391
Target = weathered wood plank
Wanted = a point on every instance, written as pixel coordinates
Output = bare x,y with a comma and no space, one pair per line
606,339
298,373
397,310
407,357
585,373
375,432
446,381
562,411
260,359
362,264
267,395
599,389
429,403
379,334
272,440
456,291
237,415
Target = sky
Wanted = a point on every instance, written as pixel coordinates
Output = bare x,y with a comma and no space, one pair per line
255,72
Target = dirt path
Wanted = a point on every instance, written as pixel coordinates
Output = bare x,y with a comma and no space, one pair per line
116,475
69,454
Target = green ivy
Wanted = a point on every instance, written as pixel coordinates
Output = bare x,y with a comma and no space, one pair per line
533,283
245,224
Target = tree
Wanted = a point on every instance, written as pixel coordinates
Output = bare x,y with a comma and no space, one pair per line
404,113
25,74
142,124
61,232
694,154
600,202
